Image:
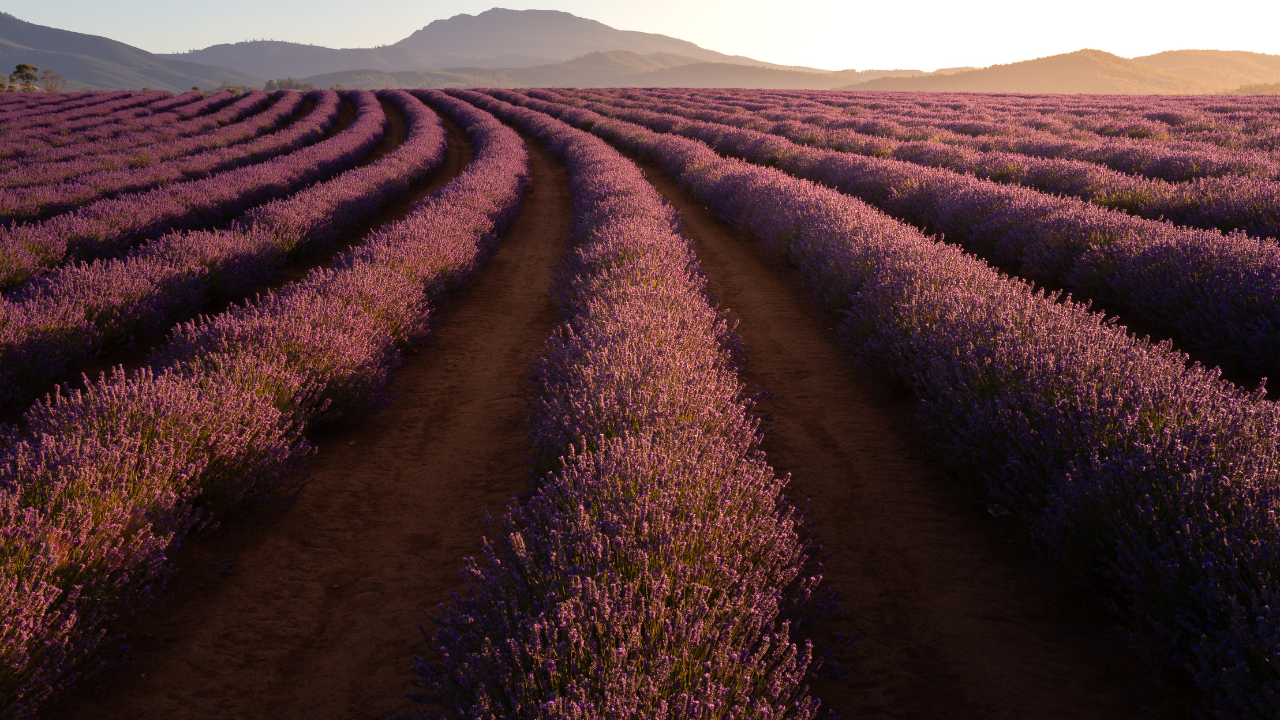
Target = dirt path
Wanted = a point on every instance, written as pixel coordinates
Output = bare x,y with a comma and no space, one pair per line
317,614
956,618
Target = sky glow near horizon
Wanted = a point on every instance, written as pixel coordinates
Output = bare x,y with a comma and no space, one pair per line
918,34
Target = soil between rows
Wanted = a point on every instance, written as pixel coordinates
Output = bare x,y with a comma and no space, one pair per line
955,615
311,610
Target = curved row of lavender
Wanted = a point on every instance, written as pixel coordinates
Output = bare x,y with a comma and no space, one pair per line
1217,295
1172,159
1237,122
16,102
112,226
106,480
94,106
651,573
48,129
189,118
251,141
1248,204
50,328
1129,465
138,147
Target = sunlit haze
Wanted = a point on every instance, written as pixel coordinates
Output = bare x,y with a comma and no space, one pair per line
830,34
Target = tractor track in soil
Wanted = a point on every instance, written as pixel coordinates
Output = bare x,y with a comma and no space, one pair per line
311,609
956,616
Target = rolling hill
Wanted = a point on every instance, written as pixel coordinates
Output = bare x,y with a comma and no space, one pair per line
92,62
1222,68
1094,71
601,69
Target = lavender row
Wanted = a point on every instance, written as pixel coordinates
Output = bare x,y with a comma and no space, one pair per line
59,106
139,149
88,113
1247,204
110,227
1195,122
14,102
1129,465
106,481
54,325
1166,160
1218,295
43,130
244,143
191,117
596,597
1235,122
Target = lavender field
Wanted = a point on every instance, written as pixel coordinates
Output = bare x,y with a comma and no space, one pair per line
228,332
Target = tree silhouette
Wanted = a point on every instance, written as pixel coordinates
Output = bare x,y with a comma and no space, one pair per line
25,75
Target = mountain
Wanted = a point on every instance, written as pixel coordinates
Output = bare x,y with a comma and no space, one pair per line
1083,71
496,39
1222,68
92,62
617,68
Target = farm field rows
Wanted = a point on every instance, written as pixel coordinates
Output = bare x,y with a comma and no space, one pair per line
787,426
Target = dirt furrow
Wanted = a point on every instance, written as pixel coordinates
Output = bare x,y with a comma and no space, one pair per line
955,616
311,610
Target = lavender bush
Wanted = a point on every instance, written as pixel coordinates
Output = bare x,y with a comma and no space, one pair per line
194,116
1129,465
652,574
50,327
1248,204
108,479
74,182
110,227
1215,294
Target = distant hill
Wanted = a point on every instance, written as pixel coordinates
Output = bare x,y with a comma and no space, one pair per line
92,62
496,39
617,68
1221,68
1083,71
276,59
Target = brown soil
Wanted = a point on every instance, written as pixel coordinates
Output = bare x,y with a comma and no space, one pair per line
346,116
303,110
955,615
312,610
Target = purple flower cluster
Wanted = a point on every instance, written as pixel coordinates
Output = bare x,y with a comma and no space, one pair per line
651,574
1129,465
1248,204
106,480
234,146
110,227
194,117
1217,295
52,326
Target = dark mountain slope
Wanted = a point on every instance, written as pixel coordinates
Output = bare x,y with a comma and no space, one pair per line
90,61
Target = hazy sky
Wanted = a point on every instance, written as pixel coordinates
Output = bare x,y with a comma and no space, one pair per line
923,34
